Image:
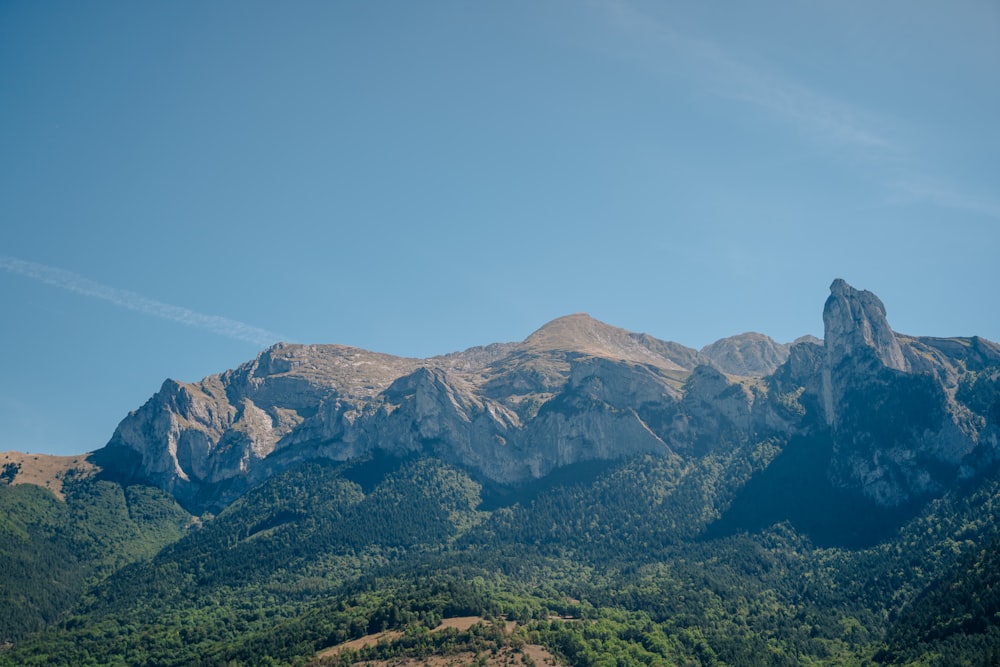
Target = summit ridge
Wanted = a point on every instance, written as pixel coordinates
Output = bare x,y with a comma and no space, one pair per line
579,390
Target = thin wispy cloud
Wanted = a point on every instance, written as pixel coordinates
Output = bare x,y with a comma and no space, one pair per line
909,192
74,282
819,116
825,119
815,114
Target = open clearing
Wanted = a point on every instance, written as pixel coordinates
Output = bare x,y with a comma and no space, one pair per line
506,656
43,469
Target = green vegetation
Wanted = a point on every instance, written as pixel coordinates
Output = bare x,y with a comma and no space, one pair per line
623,565
52,551
9,471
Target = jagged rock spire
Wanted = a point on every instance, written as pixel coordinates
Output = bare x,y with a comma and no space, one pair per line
854,321
855,329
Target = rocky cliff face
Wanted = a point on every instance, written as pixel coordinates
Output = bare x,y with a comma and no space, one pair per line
750,354
901,427
907,414
215,436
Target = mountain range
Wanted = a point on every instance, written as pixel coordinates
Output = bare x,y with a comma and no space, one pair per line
580,390
603,462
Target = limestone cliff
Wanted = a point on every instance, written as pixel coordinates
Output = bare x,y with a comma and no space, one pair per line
900,427
906,414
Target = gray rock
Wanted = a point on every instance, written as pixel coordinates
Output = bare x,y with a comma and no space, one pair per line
907,415
899,430
749,354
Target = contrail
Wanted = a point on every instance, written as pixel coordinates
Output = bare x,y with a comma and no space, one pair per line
74,282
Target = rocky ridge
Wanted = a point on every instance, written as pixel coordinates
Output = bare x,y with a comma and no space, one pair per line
749,354
906,414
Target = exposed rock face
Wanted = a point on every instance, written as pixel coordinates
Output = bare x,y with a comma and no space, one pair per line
900,428
905,413
750,354
857,335
855,323
193,438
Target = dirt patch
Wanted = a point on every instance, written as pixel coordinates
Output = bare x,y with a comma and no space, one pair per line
41,469
367,640
540,655
461,623
505,656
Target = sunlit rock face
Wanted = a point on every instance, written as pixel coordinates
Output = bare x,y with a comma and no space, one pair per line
901,428
906,414
748,354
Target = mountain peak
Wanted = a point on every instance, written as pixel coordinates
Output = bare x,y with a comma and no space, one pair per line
571,332
840,287
583,334
575,390
749,354
858,341
855,321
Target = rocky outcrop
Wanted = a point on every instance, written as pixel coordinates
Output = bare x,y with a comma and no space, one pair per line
510,412
857,341
900,429
750,354
855,324
906,414
217,433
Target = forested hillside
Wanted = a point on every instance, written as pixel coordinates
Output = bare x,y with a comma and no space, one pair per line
325,553
52,550
597,494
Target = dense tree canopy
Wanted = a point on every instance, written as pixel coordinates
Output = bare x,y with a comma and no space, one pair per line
624,564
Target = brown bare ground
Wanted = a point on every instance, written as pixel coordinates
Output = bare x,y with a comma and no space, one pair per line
505,657
367,640
460,623
46,470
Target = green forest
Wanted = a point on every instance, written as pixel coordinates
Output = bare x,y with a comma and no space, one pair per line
639,562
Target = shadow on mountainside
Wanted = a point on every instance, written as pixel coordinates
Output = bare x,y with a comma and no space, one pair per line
795,488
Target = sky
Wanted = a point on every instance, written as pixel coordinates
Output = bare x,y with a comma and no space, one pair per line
183,184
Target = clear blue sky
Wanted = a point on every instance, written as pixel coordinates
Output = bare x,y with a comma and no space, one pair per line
183,182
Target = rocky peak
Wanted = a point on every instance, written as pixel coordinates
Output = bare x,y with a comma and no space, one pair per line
349,371
903,413
901,426
857,341
748,354
855,323
569,332
582,334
